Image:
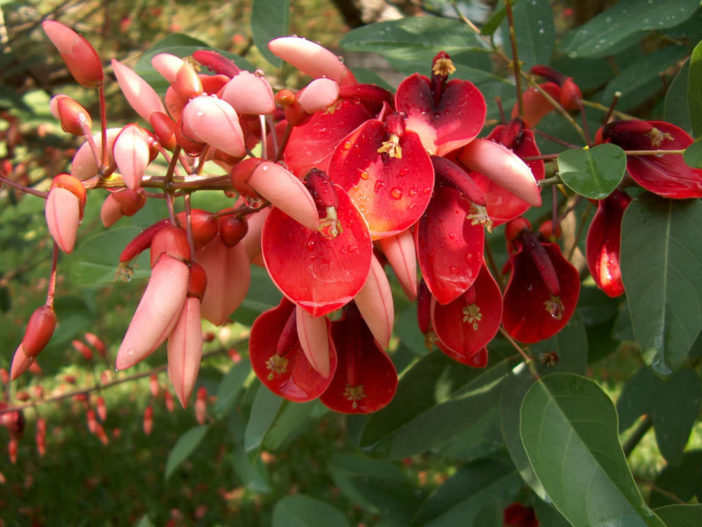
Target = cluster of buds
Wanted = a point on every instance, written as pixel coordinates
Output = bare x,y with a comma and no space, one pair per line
332,184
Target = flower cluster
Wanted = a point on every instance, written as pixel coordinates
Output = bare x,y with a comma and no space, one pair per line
332,185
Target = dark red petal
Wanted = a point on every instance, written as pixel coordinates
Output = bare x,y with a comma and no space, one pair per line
289,375
449,248
365,378
502,205
530,312
666,175
469,323
318,273
604,241
391,192
454,122
312,144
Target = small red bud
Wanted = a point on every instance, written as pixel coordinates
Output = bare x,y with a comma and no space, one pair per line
130,201
22,396
95,342
164,129
187,82
92,421
101,408
39,330
201,405
148,423
173,242
154,388
232,229
83,349
74,118
198,281
203,223
12,446
168,399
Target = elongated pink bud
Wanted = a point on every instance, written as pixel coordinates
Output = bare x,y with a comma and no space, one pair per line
79,55
140,95
313,333
132,153
83,165
63,217
284,190
228,276
374,301
185,350
502,166
402,256
318,95
157,312
249,94
20,362
310,58
167,65
215,122
40,327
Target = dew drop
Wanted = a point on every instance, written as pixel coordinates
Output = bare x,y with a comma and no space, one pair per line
310,245
364,175
396,193
378,186
347,145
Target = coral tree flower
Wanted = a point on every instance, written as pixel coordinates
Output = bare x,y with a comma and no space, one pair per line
446,114
543,287
365,379
323,269
278,358
604,243
664,174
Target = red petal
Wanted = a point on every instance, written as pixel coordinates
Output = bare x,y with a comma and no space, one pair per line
456,120
666,175
320,274
530,312
289,375
391,192
469,323
312,144
449,248
365,379
603,243
502,205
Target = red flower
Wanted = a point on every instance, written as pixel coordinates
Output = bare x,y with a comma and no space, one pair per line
603,243
543,288
517,515
664,174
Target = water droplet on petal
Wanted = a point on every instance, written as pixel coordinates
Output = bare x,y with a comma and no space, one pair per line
396,193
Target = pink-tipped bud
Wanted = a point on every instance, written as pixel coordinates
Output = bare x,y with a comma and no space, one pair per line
21,362
313,333
96,342
154,387
168,401
84,166
110,212
185,348
82,348
132,155
310,58
215,122
64,210
374,301
140,95
78,54
318,95
285,190
148,422
502,166
74,118
249,94
402,257
101,408
167,65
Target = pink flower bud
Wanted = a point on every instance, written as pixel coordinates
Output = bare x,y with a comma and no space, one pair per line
374,301
140,95
167,65
215,122
249,94
310,58
132,155
318,95
313,333
185,350
80,57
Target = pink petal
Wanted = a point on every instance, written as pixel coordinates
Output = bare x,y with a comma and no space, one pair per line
83,165
374,301
185,350
62,213
310,58
167,65
132,155
249,94
215,122
140,95
313,333
402,257
318,95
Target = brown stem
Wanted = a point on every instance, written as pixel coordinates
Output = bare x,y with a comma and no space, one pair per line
22,188
515,56
527,359
51,288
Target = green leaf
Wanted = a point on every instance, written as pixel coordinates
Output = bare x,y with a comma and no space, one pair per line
428,410
569,429
96,260
693,154
661,262
463,495
694,90
492,23
251,471
264,411
412,38
680,515
145,521
290,421
535,32
299,510
230,386
601,34
673,405
592,172
681,482
377,486
269,19
676,108
186,445
641,79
